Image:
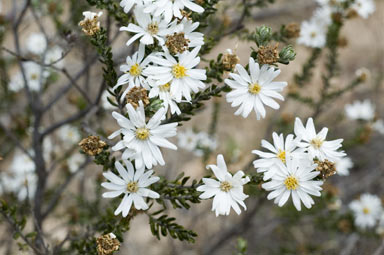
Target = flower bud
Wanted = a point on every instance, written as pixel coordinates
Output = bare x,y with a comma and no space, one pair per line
263,35
287,54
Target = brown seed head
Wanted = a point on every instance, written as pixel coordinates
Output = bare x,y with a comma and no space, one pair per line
107,244
326,168
177,43
92,145
90,26
344,225
267,55
137,94
230,60
342,42
292,30
185,14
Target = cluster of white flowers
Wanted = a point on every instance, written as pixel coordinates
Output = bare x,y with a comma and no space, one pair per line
368,212
198,143
36,74
290,165
365,111
170,75
313,32
21,180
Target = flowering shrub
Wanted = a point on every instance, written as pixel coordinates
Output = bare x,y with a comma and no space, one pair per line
96,153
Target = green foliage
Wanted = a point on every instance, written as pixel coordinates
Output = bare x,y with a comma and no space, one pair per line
242,246
100,41
177,192
165,225
189,109
307,69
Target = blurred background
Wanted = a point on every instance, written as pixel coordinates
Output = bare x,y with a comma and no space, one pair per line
266,228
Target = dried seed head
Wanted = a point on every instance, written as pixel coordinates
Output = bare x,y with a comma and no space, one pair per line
107,244
352,13
292,30
362,74
137,94
177,43
267,55
326,168
344,225
92,145
90,26
342,42
185,14
230,60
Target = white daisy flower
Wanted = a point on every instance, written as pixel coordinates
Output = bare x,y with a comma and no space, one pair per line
279,151
364,7
172,8
206,141
69,135
75,161
54,54
360,110
227,190
296,180
164,93
188,140
315,143
180,74
252,91
128,4
105,103
36,43
343,165
133,184
22,180
378,125
141,140
322,16
312,34
188,27
133,71
148,28
34,74
366,210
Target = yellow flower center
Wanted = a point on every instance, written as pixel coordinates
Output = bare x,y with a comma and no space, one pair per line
281,155
132,187
165,88
291,183
153,28
313,34
142,133
317,142
225,186
366,210
179,71
135,70
34,76
254,88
